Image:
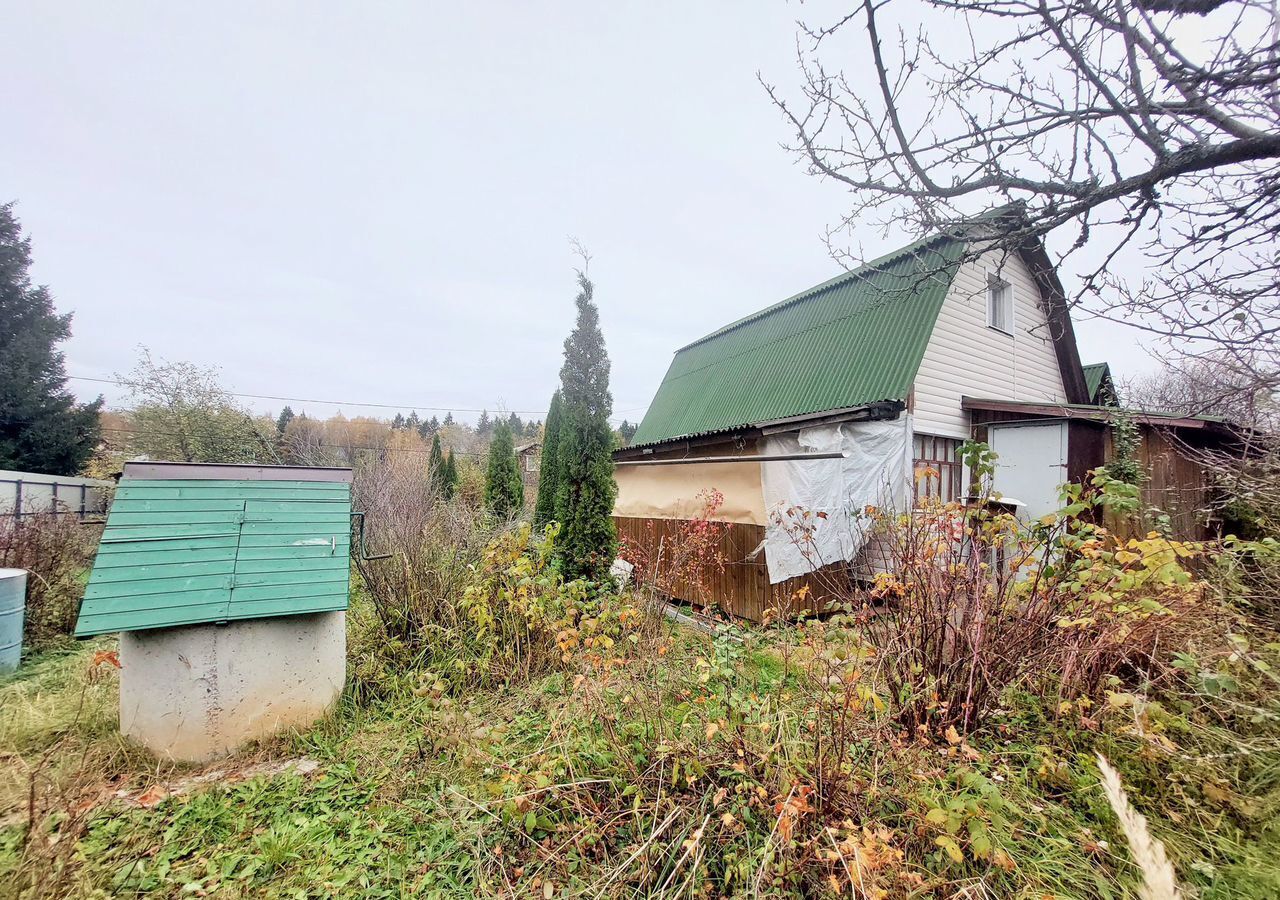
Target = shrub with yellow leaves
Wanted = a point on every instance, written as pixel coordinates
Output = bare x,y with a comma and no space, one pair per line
526,618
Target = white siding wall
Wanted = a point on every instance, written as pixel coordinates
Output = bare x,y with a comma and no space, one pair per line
966,358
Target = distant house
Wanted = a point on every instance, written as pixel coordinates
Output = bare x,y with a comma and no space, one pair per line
860,391
529,455
1100,386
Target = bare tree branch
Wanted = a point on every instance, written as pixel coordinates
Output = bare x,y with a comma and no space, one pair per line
1139,135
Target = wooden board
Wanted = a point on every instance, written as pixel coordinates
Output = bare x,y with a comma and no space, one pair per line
742,588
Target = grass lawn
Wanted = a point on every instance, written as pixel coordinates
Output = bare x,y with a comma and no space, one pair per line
687,766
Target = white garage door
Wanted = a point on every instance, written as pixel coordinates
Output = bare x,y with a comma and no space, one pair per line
1032,464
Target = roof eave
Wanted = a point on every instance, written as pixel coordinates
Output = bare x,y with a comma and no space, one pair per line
879,410
1090,413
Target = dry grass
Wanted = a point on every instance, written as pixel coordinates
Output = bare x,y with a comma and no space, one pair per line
56,551
1159,882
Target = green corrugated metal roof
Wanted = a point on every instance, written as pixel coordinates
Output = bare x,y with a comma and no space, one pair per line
1093,377
190,551
853,340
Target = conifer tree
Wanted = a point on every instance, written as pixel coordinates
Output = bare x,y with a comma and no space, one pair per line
483,424
286,416
584,502
448,418
449,483
503,487
412,421
398,422
435,463
544,509
42,428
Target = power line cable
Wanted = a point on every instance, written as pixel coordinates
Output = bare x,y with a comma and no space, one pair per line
151,433
399,407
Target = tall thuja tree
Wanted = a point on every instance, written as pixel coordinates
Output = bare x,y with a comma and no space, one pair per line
503,487
449,476
584,502
435,463
42,428
544,509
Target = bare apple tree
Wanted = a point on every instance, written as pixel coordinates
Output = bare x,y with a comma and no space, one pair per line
1140,134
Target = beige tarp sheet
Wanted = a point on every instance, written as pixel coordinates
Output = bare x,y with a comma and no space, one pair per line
671,492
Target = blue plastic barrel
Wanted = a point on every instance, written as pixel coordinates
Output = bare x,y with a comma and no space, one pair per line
13,604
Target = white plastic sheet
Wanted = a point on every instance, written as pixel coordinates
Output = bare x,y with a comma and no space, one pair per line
875,471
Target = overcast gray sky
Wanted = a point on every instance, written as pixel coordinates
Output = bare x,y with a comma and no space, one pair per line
371,202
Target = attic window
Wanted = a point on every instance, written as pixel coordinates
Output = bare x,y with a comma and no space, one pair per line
1000,305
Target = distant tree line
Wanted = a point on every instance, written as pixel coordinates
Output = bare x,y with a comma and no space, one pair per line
484,427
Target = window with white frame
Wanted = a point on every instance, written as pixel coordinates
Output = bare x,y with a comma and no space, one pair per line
1000,305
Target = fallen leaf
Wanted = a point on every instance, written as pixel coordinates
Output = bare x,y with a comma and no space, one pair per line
110,657
152,796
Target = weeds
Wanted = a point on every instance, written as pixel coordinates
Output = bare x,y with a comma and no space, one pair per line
508,733
434,545
56,551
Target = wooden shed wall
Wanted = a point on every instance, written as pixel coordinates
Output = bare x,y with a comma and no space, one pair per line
742,588
1176,484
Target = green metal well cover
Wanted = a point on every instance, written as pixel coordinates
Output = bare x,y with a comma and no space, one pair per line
188,543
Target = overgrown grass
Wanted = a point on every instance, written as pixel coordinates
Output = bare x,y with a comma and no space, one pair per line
687,765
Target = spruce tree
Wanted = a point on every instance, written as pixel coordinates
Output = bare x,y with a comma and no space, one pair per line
42,428
448,418
503,487
483,425
398,422
544,509
411,421
286,416
584,502
435,463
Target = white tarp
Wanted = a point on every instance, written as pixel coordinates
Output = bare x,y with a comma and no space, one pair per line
875,471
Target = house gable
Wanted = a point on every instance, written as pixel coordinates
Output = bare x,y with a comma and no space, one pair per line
853,341
910,326
967,357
